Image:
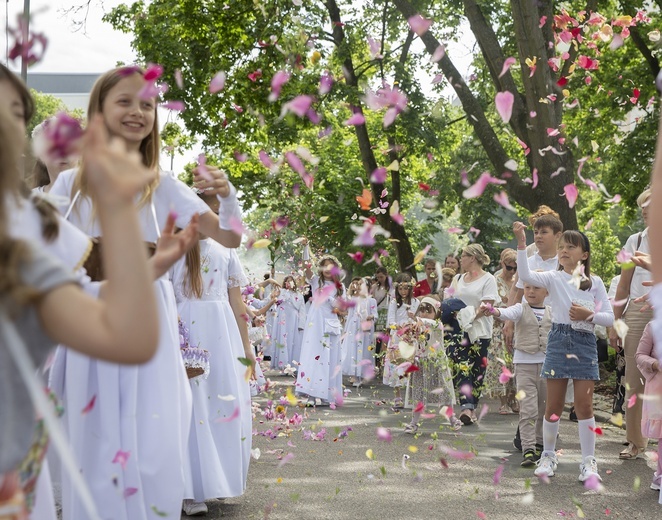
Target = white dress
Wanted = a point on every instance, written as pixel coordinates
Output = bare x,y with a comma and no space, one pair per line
285,336
358,344
397,316
144,410
320,372
221,427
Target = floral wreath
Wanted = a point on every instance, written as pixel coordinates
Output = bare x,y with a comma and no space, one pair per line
322,258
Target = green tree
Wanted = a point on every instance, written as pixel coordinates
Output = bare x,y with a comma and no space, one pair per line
47,105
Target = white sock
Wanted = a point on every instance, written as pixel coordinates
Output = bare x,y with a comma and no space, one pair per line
415,416
549,432
587,437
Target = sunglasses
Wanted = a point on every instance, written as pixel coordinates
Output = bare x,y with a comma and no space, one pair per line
510,267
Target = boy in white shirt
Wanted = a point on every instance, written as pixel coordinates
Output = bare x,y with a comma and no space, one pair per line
533,321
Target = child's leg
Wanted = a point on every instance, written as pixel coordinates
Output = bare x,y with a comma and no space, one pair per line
584,411
526,375
553,409
657,479
415,416
541,384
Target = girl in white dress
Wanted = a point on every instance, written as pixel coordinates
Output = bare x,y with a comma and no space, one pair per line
401,310
285,337
358,342
432,383
208,291
143,411
320,372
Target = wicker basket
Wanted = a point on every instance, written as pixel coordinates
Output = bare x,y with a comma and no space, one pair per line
192,372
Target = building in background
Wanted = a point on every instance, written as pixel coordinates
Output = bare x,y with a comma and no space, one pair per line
72,88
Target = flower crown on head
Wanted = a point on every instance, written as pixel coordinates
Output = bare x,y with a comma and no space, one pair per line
322,258
404,284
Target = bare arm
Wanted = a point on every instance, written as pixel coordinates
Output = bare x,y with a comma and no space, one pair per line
124,326
240,315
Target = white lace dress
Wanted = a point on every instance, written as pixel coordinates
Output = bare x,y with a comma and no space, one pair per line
320,373
285,334
221,427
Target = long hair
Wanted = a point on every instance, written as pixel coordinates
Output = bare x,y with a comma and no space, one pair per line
334,278
13,253
150,146
23,92
387,281
402,279
294,283
193,280
579,239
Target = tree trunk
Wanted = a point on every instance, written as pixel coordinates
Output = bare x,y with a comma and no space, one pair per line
401,243
532,131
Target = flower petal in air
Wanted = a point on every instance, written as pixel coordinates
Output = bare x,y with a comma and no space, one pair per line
477,189
394,213
299,105
419,24
280,78
571,193
507,63
438,53
217,83
504,105
154,71
357,118
384,434
230,418
326,82
501,198
177,106
379,176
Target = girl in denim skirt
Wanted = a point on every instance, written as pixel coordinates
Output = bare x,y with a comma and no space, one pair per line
579,302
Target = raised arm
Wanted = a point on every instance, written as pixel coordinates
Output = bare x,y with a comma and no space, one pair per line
523,271
123,327
224,227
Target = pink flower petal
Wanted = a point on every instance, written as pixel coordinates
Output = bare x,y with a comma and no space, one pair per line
130,491
632,400
571,193
504,105
505,376
507,63
121,458
383,434
455,230
177,106
496,478
265,159
232,417
419,24
202,168
379,176
217,83
479,187
535,178
280,78
89,406
326,82
501,198
154,71
357,118
438,53
375,48
299,105
179,80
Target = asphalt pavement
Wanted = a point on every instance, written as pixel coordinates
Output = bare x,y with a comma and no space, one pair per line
335,464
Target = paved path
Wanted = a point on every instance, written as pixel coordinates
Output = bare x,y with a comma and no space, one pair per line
333,478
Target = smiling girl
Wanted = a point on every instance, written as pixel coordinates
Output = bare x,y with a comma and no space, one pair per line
144,411
579,302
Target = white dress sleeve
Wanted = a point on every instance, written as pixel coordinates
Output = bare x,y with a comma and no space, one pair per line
605,314
180,199
512,313
390,319
236,275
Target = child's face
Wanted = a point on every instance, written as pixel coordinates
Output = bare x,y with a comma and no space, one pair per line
289,284
11,100
570,255
430,270
327,269
404,289
125,114
545,239
425,310
535,296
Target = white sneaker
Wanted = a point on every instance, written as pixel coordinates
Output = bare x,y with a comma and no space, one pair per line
655,485
588,469
193,508
546,465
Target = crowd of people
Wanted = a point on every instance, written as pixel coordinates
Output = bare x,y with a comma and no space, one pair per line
164,332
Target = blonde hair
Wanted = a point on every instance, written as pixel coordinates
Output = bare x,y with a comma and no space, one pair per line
643,198
508,255
477,251
447,274
13,253
149,147
542,210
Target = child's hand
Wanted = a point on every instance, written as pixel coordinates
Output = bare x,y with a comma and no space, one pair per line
115,175
172,246
579,313
486,309
214,181
520,235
